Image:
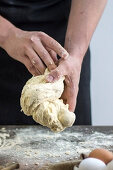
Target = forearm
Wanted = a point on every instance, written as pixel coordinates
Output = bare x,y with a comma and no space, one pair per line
83,19
5,28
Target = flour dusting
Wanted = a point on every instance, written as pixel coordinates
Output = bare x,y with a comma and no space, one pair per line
36,144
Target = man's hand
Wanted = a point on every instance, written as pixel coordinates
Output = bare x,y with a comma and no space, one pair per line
71,69
36,50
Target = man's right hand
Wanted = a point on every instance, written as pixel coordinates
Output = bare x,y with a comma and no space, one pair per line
36,50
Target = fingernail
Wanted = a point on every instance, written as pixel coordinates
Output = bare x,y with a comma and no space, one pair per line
49,78
65,55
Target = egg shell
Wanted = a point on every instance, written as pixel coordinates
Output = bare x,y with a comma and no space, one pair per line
92,164
75,168
102,154
109,166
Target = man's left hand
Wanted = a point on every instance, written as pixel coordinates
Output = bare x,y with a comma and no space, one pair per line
70,68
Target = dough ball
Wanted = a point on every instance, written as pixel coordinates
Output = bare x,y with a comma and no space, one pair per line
40,100
66,117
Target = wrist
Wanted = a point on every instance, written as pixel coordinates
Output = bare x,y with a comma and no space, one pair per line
6,28
76,47
77,64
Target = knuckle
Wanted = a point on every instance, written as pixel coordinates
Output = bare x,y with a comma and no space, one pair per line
70,82
44,54
57,73
41,34
49,50
32,38
53,43
33,61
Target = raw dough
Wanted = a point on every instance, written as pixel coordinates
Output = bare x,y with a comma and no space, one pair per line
40,100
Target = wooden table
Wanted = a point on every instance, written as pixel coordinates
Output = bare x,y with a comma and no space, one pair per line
35,147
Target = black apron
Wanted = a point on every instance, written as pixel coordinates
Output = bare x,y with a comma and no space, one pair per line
51,17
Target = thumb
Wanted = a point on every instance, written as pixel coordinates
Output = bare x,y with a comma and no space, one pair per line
55,74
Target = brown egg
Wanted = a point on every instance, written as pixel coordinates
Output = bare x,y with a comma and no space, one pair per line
102,154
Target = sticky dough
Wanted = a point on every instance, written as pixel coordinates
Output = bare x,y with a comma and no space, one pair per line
40,100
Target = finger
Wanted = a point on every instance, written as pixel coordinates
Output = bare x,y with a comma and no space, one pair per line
30,66
43,53
54,45
69,95
35,60
72,91
71,99
53,55
55,74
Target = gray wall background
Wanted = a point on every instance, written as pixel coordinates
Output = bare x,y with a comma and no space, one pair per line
102,69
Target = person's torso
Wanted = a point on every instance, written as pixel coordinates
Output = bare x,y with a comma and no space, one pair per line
34,13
